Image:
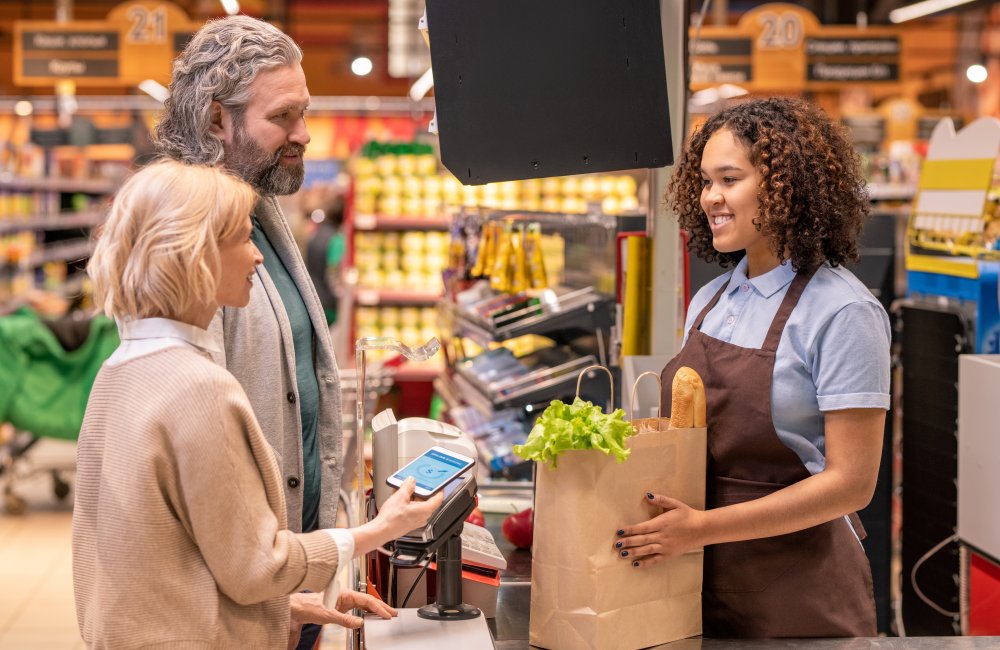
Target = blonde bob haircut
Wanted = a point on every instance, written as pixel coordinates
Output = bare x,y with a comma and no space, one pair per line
158,252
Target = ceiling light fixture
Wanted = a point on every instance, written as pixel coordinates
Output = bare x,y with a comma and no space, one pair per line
23,108
231,7
976,73
921,9
154,89
422,85
361,66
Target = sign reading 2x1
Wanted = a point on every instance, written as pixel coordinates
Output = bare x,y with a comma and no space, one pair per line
137,41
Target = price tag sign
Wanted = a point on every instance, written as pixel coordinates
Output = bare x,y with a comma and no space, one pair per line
137,41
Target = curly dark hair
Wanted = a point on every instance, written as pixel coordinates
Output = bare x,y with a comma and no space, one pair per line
812,196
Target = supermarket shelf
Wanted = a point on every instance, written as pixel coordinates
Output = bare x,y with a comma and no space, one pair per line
69,185
317,104
73,286
537,386
890,192
584,309
71,251
69,289
446,388
383,222
374,297
66,221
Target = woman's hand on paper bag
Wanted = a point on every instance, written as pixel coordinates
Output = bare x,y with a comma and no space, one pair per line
674,531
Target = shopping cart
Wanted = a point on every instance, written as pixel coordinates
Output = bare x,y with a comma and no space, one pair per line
47,367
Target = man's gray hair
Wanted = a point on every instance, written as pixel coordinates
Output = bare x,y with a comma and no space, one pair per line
219,64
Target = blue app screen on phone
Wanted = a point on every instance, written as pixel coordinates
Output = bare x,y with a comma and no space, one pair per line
432,469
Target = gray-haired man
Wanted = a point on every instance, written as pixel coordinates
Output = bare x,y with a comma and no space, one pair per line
238,97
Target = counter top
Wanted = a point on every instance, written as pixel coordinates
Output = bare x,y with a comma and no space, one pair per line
510,627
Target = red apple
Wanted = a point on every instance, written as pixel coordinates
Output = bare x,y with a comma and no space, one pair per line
476,517
519,528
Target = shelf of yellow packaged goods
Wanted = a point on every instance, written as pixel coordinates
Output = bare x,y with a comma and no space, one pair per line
70,251
65,221
387,222
68,185
372,297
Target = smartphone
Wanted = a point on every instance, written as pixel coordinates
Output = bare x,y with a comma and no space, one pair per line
433,469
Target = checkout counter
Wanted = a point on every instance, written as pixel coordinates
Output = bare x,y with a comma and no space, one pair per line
509,629
448,623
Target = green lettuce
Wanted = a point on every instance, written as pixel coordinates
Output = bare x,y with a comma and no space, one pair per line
579,425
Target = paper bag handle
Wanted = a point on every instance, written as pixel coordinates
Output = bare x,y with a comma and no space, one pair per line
659,393
611,380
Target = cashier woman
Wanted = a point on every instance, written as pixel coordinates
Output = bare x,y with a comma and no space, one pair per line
794,354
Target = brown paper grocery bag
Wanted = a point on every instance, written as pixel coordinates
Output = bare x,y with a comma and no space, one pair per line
583,595
647,425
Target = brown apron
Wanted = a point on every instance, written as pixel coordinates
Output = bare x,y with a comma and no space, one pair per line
813,583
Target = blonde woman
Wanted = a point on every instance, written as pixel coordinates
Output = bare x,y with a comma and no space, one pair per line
179,527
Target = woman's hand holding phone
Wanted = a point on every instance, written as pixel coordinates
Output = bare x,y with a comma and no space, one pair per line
400,514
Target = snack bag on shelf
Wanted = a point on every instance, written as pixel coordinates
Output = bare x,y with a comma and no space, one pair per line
500,276
481,267
536,261
519,261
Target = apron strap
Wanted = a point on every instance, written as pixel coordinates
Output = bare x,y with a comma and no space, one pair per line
859,529
785,310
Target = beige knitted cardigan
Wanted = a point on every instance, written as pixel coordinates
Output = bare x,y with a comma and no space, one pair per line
179,526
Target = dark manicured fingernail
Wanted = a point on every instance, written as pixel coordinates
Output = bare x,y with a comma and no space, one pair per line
624,553
635,562
649,495
620,533
618,545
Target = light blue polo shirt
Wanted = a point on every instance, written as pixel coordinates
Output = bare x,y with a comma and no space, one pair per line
833,353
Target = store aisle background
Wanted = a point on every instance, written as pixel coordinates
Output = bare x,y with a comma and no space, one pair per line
36,575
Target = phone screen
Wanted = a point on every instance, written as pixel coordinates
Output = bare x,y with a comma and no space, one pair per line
432,470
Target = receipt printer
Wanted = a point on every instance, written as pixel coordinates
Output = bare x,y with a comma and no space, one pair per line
396,443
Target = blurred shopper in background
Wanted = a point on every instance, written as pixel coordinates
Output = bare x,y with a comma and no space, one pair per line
325,253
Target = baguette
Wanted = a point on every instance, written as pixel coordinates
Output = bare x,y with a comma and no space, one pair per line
687,401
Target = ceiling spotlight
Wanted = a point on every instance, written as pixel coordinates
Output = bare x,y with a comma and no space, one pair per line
976,73
23,108
921,9
231,7
361,66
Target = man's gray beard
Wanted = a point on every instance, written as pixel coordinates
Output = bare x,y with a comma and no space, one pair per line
264,171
